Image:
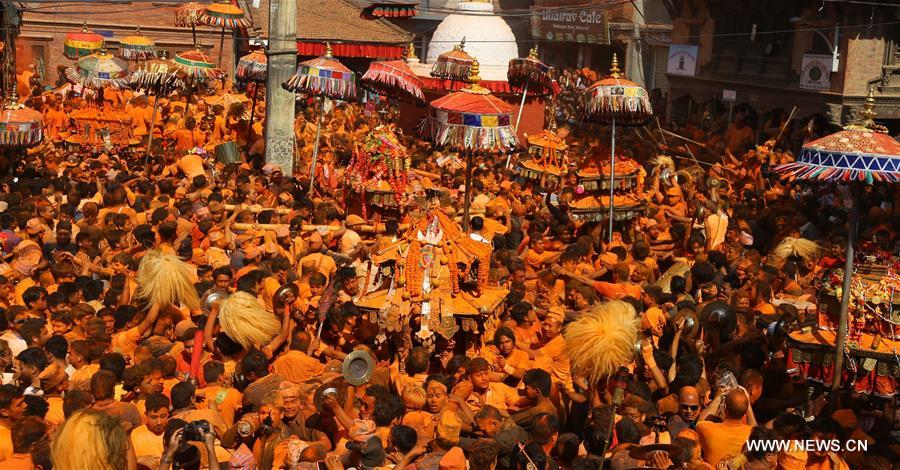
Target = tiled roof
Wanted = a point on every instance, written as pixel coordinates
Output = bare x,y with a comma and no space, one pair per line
339,21
332,20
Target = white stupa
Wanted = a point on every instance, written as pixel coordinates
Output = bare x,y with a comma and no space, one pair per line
487,38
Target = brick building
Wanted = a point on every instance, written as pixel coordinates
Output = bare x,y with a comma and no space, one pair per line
820,56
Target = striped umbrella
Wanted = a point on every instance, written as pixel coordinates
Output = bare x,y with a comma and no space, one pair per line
98,71
455,64
137,47
196,65
323,77
252,67
528,74
393,79
226,16
78,44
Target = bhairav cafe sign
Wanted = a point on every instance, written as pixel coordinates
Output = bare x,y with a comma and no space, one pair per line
586,25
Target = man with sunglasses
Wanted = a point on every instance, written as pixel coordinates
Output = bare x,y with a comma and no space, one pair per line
688,411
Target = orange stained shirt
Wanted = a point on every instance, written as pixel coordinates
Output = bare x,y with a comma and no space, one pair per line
6,447
228,401
145,443
126,342
297,366
191,165
81,378
18,462
553,359
618,291
54,416
517,359
535,261
187,139
54,122
498,394
720,440
140,118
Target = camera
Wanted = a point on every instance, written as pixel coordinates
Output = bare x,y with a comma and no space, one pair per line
195,430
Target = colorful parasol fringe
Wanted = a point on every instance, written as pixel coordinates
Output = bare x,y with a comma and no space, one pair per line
252,67
471,120
532,72
862,152
137,47
224,15
455,64
615,96
323,76
189,14
99,70
197,65
20,126
389,10
82,43
393,79
155,75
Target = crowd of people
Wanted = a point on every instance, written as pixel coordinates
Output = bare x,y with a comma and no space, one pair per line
98,375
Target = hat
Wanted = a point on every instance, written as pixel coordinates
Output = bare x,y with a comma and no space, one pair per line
649,223
362,430
354,219
158,345
245,237
506,185
653,317
372,453
673,191
449,427
746,239
270,168
282,231
454,459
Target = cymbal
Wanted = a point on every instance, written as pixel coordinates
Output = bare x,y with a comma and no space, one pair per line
643,452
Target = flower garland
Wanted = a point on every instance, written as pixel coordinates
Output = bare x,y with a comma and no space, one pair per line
380,157
413,271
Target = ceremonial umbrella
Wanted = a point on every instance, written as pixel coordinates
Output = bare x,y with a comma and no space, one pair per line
857,154
195,65
78,44
393,79
252,67
19,126
455,64
471,120
155,77
525,72
98,71
189,15
322,77
224,15
137,47
611,100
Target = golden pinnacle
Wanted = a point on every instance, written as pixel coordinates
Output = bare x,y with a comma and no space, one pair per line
328,51
533,53
614,71
411,52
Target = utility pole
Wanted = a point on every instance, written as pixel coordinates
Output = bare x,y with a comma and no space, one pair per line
282,59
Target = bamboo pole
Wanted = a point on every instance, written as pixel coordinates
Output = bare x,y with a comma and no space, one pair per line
311,228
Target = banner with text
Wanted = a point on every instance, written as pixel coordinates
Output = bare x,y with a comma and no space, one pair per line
589,25
682,60
815,74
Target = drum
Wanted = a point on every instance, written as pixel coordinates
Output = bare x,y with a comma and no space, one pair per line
228,153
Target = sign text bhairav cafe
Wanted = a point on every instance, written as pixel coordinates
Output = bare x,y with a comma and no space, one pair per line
588,25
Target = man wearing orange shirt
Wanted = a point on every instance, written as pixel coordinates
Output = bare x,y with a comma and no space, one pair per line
297,365
189,137
147,439
55,120
228,400
721,440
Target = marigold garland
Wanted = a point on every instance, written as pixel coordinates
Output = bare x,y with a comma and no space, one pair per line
413,271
